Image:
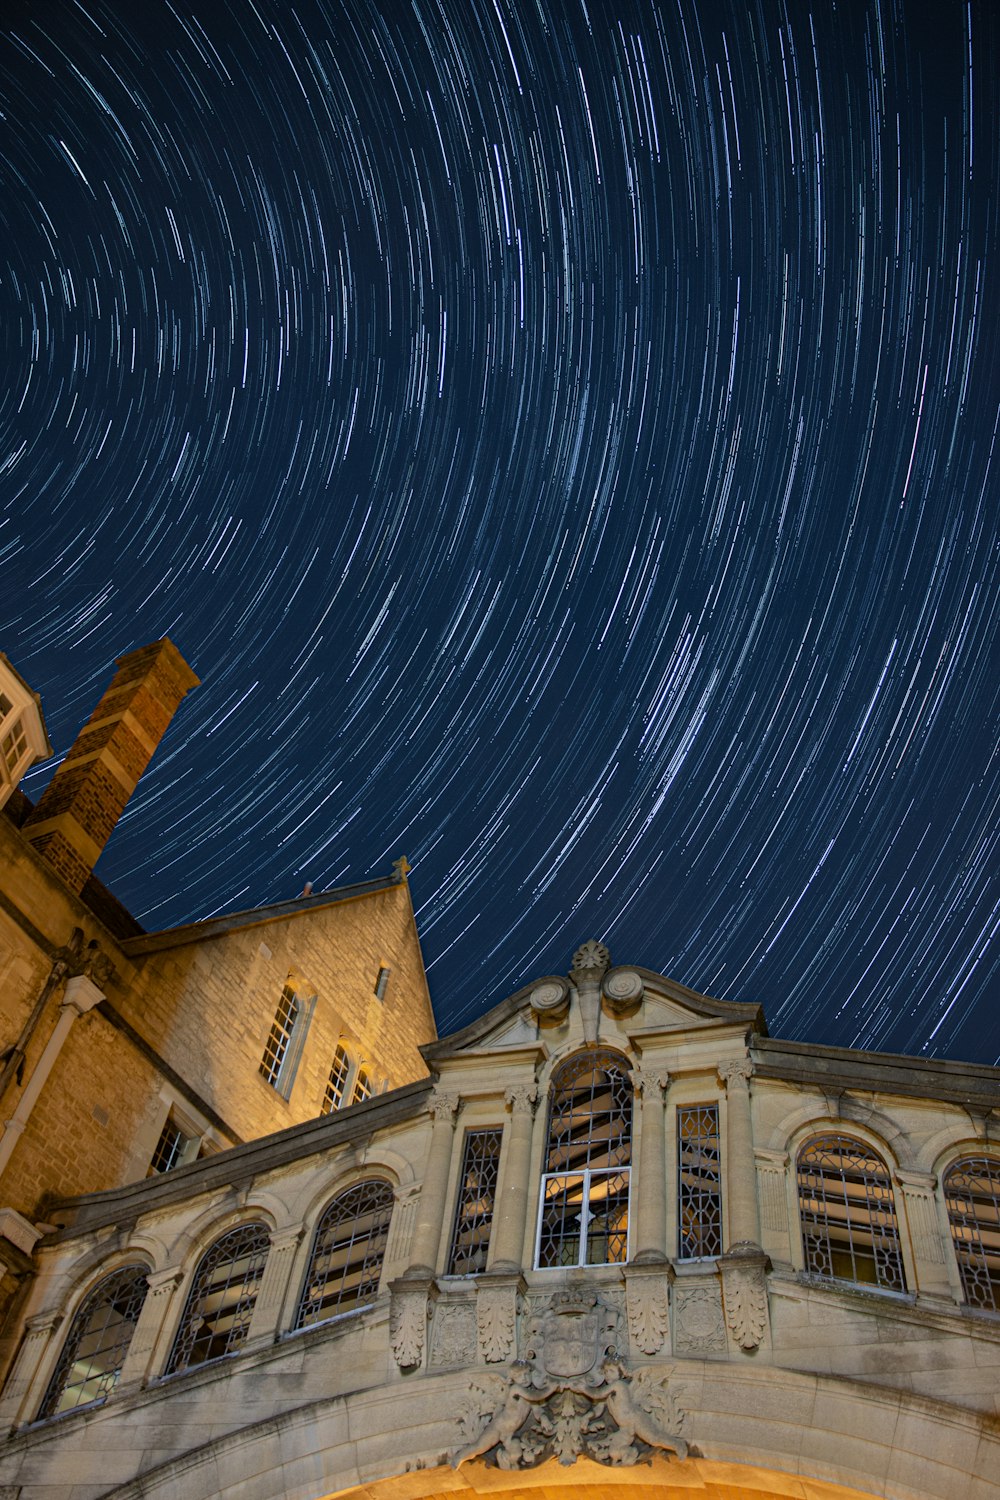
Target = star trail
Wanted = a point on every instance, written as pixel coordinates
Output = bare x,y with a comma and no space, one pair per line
563,438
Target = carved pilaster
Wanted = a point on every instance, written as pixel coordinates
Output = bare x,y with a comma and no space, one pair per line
647,1305
38,1331
136,1369
443,1108
400,1238
926,1239
266,1316
511,1208
741,1184
744,1296
650,1232
409,1310
496,1315
771,1180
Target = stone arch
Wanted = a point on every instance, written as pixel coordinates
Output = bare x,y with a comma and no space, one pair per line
756,1435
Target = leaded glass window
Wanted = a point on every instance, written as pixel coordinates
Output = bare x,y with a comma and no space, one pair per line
972,1193
347,1254
583,1220
97,1343
337,1082
699,1182
470,1240
221,1300
280,1036
848,1214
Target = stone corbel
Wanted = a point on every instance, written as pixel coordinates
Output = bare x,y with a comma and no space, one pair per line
497,1294
744,1296
410,1303
647,1304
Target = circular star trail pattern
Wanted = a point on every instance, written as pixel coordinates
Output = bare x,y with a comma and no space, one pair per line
563,439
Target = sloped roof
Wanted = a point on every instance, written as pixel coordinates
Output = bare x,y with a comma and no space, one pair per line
212,927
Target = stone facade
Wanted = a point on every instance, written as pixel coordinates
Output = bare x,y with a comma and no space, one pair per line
112,1038
427,1318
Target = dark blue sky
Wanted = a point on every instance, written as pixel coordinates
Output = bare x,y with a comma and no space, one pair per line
563,439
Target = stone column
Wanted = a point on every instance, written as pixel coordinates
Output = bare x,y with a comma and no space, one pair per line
511,1213
772,1188
430,1207
265,1320
81,995
744,1265
139,1365
740,1184
38,1332
920,1212
649,1231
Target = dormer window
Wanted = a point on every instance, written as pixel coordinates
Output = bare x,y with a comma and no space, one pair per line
585,1190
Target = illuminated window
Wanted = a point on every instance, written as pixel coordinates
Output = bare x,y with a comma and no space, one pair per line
972,1193
97,1343
848,1215
336,1084
699,1182
470,1240
584,1205
347,1254
221,1300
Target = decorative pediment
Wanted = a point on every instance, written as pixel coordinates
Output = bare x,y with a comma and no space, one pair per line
637,1000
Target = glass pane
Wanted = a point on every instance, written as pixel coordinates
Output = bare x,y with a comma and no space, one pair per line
848,1215
972,1193
699,1182
98,1342
607,1231
220,1304
347,1253
562,1207
336,1083
590,1116
470,1239
281,1034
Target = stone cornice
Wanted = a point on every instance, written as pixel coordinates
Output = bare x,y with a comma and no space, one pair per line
875,1072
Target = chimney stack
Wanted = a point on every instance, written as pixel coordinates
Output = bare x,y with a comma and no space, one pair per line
78,811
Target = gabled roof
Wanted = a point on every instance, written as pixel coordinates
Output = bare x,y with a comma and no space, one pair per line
667,1005
258,916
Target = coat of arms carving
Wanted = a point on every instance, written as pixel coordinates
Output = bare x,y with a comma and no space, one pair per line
571,1396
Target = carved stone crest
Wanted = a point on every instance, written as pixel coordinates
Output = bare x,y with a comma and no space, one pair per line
572,1396
618,1419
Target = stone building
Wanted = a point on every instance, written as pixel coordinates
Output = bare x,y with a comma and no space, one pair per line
125,1052
620,1240
610,1238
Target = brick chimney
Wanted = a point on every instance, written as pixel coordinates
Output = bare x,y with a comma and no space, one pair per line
78,811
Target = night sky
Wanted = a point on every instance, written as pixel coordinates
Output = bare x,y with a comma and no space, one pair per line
563,438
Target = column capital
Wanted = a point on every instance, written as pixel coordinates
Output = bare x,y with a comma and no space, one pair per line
650,1083
444,1105
43,1322
915,1182
81,994
738,1070
163,1281
521,1098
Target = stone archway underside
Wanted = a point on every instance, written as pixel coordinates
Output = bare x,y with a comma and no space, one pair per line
695,1479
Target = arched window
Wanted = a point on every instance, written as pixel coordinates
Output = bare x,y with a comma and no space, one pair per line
336,1084
972,1193
221,1300
583,1219
98,1341
347,1253
848,1216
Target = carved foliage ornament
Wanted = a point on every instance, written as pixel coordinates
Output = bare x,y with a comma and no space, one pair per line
744,1293
648,1304
591,955
496,1315
407,1324
572,1396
